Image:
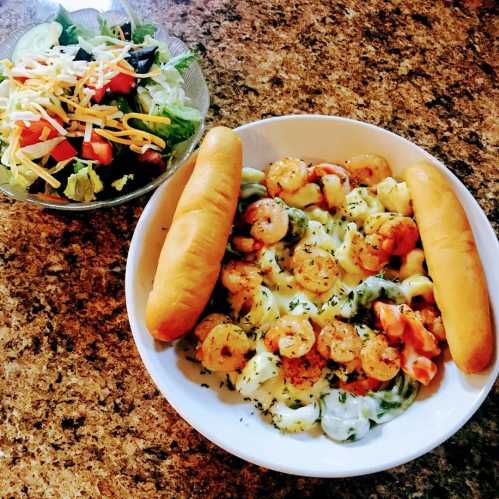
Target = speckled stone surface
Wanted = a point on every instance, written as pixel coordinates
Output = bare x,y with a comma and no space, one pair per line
79,415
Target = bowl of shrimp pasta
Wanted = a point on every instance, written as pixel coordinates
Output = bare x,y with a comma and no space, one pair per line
322,351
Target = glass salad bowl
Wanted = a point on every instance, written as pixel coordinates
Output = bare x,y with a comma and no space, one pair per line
195,89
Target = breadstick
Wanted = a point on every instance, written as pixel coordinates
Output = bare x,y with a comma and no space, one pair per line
192,253
454,265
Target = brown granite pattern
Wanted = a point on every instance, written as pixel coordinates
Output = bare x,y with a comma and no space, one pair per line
79,415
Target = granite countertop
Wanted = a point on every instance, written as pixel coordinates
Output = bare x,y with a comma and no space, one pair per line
79,415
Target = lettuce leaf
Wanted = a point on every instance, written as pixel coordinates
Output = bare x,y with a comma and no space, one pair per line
70,30
164,95
141,31
84,184
121,182
182,62
104,27
184,123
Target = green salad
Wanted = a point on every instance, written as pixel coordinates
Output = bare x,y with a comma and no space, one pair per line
88,115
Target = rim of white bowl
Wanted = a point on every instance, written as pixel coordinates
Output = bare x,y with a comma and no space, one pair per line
215,436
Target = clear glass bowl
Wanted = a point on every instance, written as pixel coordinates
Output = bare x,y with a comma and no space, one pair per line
195,88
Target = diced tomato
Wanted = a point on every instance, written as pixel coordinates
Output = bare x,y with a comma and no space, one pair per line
62,151
86,150
99,94
121,83
98,149
103,152
98,138
20,79
31,134
151,156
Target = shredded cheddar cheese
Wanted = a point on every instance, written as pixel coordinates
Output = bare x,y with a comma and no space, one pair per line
44,160
145,117
45,133
58,111
121,69
112,137
41,172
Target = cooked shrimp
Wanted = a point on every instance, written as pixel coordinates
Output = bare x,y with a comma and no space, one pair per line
288,175
372,257
417,366
335,183
314,268
303,371
240,276
269,220
379,360
391,320
293,336
339,341
322,169
368,169
401,235
246,244
423,340
432,320
396,235
399,321
208,323
224,348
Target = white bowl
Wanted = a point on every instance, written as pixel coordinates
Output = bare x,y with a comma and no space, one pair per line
236,426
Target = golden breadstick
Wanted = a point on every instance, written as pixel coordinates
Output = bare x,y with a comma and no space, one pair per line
192,253
454,265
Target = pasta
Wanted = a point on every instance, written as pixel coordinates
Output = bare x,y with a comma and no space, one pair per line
326,277
305,196
347,253
394,196
412,264
360,203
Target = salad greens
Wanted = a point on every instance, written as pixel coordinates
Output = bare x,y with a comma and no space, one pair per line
141,31
104,27
182,61
83,184
121,182
70,31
